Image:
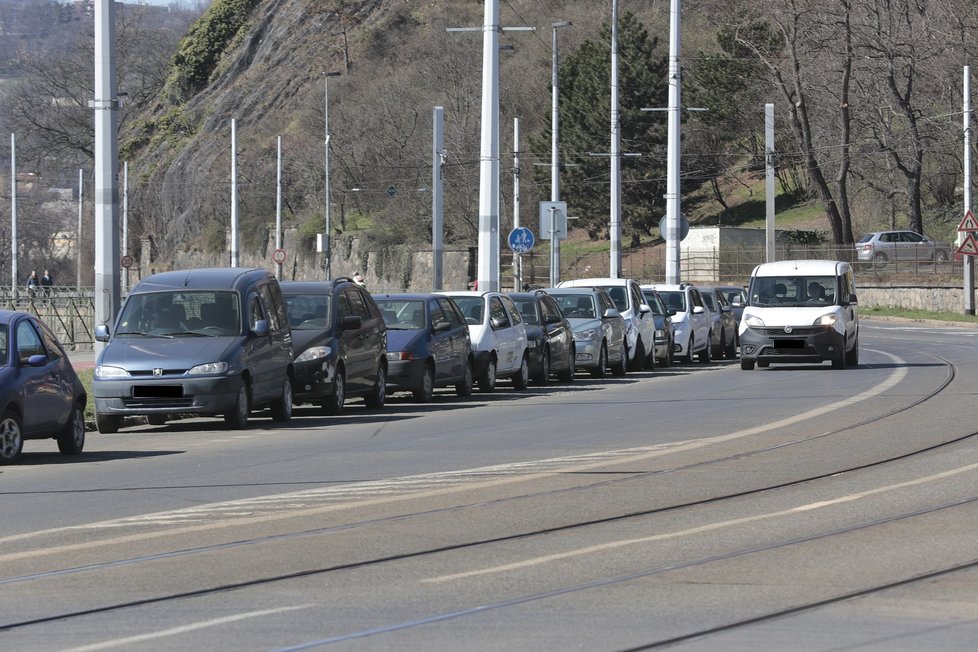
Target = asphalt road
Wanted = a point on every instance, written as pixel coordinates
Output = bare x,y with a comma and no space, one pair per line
700,507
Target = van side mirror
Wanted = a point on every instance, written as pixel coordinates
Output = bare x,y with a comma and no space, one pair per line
853,299
261,328
102,333
698,310
441,326
610,313
352,322
644,308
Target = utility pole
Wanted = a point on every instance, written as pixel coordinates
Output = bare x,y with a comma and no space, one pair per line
327,241
674,155
487,275
105,104
78,237
517,257
125,223
278,206
771,252
969,261
437,206
14,281
615,222
235,254
554,152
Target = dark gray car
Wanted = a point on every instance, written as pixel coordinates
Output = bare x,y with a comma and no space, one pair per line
200,341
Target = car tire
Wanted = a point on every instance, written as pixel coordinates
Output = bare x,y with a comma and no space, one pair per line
670,358
599,371
880,260
426,390
71,439
107,424
333,405
378,393
619,369
282,407
940,256
522,378
567,375
464,386
542,377
746,364
763,364
638,362
487,381
707,353
839,362
852,357
156,419
688,358
237,418
11,438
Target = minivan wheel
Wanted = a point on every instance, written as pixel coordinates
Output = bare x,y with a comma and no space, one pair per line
282,407
333,404
567,375
426,391
487,381
378,393
852,357
71,439
464,386
107,424
11,438
839,362
238,417
543,376
746,365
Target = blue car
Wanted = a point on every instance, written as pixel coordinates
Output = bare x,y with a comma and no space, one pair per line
40,394
428,344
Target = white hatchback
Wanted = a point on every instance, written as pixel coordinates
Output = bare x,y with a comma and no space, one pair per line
498,335
692,321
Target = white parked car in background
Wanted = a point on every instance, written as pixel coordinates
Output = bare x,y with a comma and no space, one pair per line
692,321
639,320
498,335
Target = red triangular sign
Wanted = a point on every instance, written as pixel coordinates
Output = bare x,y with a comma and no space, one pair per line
969,246
969,223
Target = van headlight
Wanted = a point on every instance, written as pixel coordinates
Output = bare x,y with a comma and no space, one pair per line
754,321
826,320
105,371
209,369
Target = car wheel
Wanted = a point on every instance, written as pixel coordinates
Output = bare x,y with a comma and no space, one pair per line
839,362
71,439
522,378
238,417
688,358
620,368
282,407
746,365
638,362
426,391
156,419
464,386
333,404
567,375
11,438
880,259
542,377
487,381
940,257
598,371
378,393
763,364
707,353
852,357
107,424
670,358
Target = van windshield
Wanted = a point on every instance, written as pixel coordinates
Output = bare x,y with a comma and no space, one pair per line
793,291
181,313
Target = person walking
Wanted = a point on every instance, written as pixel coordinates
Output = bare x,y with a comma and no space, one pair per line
33,282
47,282
358,279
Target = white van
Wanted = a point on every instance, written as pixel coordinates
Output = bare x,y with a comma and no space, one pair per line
800,311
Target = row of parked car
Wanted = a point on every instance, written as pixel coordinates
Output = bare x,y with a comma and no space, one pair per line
225,342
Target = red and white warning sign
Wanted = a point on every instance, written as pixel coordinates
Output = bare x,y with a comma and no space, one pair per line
968,224
969,246
278,256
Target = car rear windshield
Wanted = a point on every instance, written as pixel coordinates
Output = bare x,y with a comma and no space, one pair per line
528,310
865,238
309,311
674,299
181,313
576,306
471,308
793,291
402,314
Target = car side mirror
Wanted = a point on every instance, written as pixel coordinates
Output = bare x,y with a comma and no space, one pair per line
261,328
497,323
438,327
353,322
698,310
102,333
853,299
736,304
37,360
554,319
672,312
610,313
644,308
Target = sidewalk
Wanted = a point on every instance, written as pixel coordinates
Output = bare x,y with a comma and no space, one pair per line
82,359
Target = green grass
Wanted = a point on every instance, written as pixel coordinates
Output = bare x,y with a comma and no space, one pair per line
85,376
918,314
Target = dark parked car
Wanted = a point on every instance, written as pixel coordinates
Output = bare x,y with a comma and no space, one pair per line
198,341
665,338
737,297
724,323
40,395
549,336
340,343
428,344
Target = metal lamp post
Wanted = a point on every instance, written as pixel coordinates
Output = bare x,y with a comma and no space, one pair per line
327,250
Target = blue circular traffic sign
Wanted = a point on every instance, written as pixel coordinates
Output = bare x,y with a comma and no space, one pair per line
521,239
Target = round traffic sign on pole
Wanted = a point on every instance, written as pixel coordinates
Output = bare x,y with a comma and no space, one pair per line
126,261
278,256
521,240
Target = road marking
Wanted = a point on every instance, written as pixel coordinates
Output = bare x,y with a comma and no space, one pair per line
611,545
277,507
184,629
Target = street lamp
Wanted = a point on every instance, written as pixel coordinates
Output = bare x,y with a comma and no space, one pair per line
327,251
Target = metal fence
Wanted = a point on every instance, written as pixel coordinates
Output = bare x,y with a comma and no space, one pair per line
69,311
